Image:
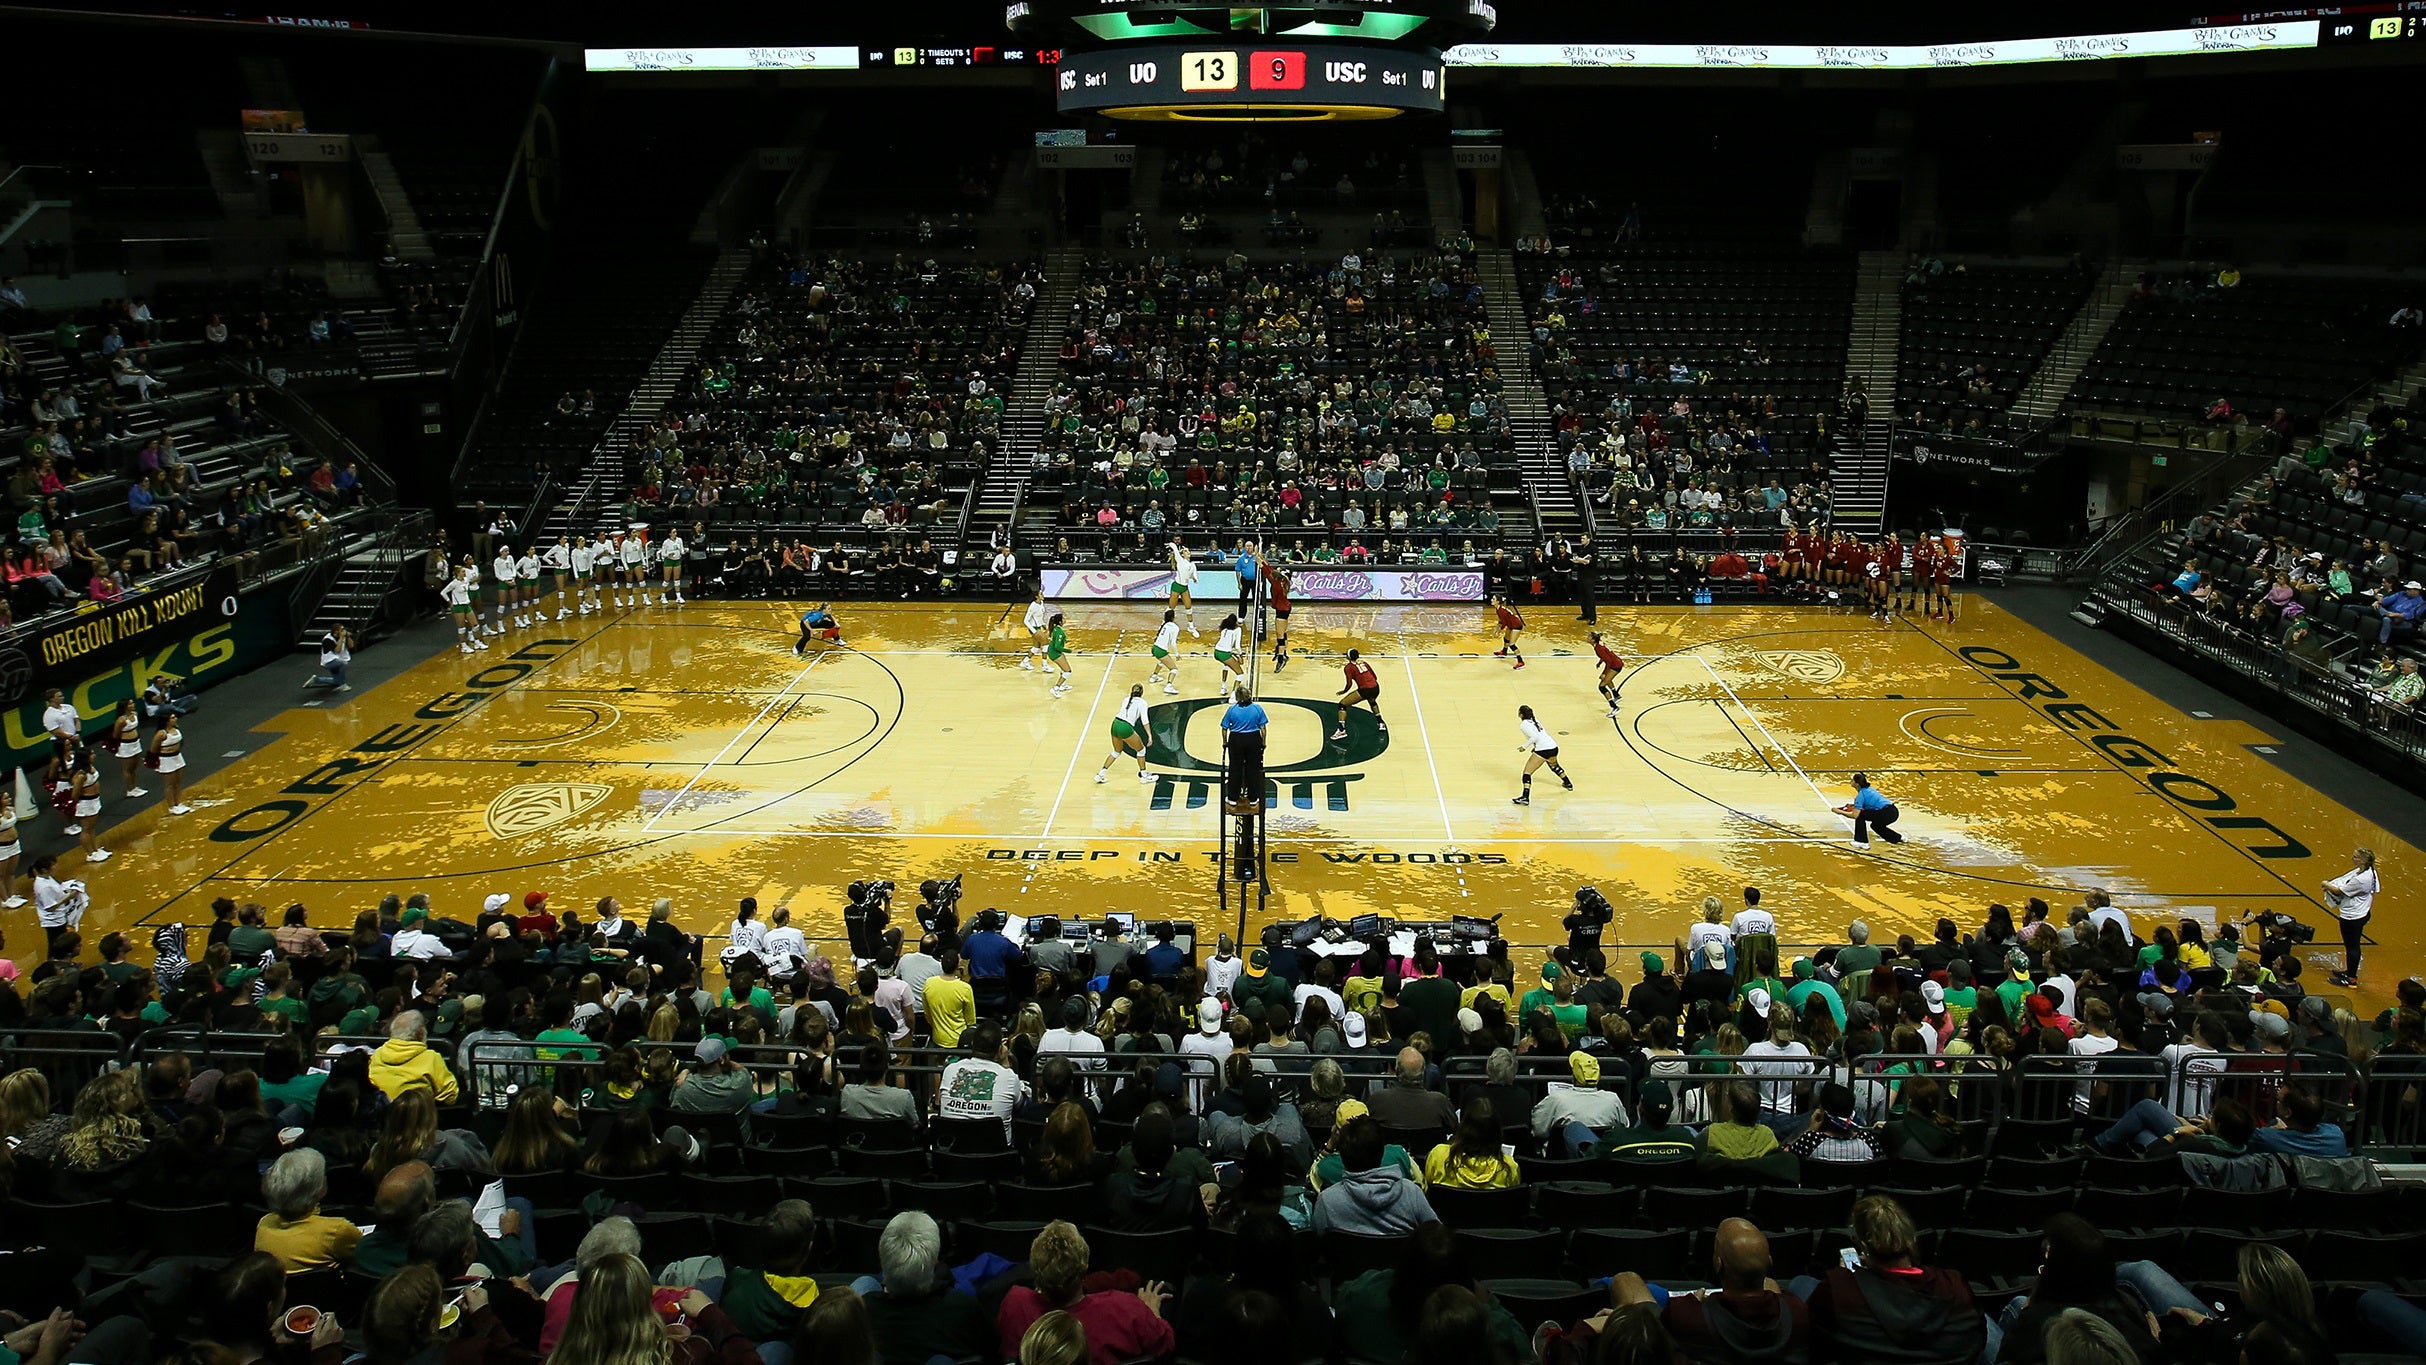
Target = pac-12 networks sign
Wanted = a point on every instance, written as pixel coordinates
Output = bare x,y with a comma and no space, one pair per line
1306,584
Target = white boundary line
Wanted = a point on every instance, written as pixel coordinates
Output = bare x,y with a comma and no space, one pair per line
1782,751
1383,838
1424,732
662,811
1079,749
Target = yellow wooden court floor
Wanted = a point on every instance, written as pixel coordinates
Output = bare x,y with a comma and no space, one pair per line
687,752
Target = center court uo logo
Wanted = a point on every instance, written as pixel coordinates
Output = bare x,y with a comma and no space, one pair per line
1167,734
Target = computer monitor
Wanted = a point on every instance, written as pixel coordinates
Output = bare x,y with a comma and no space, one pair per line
1122,920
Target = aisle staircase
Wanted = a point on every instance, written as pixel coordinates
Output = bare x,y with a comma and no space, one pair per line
406,239
2043,395
1004,480
1859,456
607,470
371,572
1555,511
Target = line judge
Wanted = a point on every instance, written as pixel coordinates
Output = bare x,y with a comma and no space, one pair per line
1871,810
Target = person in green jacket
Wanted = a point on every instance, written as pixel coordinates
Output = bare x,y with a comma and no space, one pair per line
1257,986
1376,1313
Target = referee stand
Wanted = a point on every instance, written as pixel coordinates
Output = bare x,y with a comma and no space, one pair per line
1244,859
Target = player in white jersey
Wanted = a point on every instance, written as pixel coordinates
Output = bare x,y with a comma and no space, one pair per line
1166,654
1183,587
669,557
526,572
471,571
1229,653
1128,736
585,575
1040,616
1540,748
461,599
559,559
508,586
633,556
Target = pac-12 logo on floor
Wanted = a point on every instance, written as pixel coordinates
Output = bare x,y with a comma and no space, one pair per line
1327,770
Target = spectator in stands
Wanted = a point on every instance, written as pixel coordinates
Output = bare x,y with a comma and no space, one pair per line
1747,1318
1890,1308
2398,613
1227,1135
1742,1135
2302,1129
1472,1158
2076,1273
1835,1133
1655,1135
410,1132
406,1060
1374,1196
2276,1298
1119,1325
718,1084
1406,1102
1575,1116
1379,1313
981,1085
951,1003
615,1310
916,1314
294,1230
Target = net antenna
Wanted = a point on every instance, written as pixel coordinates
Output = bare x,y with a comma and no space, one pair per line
1244,863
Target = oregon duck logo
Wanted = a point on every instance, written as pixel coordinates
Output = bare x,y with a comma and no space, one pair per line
535,806
1167,734
1804,665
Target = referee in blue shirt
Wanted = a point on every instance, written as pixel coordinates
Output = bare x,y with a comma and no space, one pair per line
1247,611
1242,727
1871,810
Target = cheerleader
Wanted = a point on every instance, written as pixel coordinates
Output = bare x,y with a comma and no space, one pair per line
126,741
168,746
632,557
1128,737
85,784
1511,629
559,561
11,847
669,559
1226,652
526,573
508,595
1610,665
1540,749
1166,655
1039,619
463,603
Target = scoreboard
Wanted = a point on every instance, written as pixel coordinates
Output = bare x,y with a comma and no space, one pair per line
1213,81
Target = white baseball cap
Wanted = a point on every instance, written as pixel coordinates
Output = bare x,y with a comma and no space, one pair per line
1933,995
496,903
1208,1015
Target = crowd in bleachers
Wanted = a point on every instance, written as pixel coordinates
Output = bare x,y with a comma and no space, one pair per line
1922,1151
129,453
837,397
1340,401
2319,559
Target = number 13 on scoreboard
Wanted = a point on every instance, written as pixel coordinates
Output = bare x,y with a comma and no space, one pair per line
1208,71
1276,71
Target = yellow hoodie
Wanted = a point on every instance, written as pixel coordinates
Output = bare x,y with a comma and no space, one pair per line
402,1063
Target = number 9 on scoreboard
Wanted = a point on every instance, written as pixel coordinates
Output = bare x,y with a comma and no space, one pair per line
1199,71
1276,71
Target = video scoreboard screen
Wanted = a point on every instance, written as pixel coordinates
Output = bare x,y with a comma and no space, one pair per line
1251,80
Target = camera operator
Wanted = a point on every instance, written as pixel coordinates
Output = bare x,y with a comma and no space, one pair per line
1591,915
865,918
994,960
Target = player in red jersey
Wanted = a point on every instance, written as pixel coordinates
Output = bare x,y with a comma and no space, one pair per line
1511,625
1276,580
1790,555
1362,686
1924,564
1610,664
1941,583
